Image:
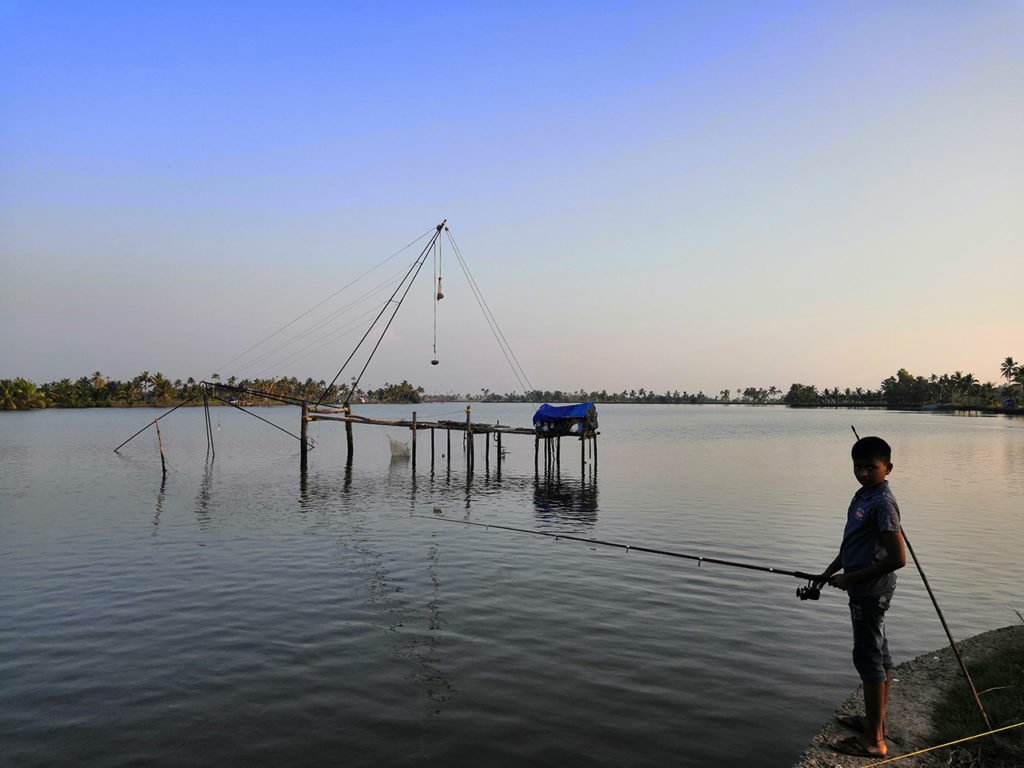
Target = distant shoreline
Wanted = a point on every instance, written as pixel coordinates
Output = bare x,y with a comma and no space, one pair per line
947,409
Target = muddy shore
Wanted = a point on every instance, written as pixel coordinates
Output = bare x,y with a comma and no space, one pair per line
917,686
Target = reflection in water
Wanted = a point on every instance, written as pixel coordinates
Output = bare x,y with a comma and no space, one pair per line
345,511
398,464
159,505
203,497
438,690
566,500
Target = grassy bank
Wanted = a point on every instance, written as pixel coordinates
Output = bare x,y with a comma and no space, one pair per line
999,680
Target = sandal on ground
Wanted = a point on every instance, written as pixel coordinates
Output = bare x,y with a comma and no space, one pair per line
852,746
855,723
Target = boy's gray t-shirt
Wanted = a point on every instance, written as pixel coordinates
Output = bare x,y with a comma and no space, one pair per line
872,512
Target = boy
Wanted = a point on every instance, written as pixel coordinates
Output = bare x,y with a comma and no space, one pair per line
871,552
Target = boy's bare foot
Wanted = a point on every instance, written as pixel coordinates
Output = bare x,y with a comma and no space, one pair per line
855,723
854,746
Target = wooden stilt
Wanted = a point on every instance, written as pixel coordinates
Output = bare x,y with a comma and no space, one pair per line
209,425
414,441
583,455
348,433
304,436
487,451
431,449
160,442
536,450
558,454
448,453
469,440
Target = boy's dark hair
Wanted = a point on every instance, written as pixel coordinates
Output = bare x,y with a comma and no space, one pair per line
872,448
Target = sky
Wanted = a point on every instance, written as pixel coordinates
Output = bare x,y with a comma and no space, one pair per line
669,195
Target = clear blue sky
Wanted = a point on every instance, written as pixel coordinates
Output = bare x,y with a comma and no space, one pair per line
665,195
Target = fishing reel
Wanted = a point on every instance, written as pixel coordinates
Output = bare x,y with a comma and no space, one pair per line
810,591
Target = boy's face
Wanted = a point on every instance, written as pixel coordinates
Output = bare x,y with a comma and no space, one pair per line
871,472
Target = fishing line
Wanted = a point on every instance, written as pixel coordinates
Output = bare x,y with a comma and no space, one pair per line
810,592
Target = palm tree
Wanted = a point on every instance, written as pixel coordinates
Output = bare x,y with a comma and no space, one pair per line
969,383
162,388
1018,379
1008,369
20,394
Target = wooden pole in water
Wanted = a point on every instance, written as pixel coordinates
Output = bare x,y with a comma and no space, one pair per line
206,419
348,430
558,454
448,454
536,450
583,455
154,421
414,441
499,451
431,449
469,440
160,442
487,451
303,435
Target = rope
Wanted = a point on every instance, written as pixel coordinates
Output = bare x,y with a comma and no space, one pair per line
434,288
321,323
319,343
506,348
316,306
947,744
407,281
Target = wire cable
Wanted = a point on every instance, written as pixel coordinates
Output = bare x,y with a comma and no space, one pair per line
320,304
499,336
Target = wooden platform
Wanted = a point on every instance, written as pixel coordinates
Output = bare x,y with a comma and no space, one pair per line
551,442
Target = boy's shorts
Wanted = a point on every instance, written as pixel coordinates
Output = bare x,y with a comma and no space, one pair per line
870,646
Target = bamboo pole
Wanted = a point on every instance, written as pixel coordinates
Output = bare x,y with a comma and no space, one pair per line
154,421
209,426
348,432
160,442
469,440
304,435
949,634
256,416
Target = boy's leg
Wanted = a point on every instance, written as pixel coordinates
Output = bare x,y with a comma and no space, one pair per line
871,658
874,717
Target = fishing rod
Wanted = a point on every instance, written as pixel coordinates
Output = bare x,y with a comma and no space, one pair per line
810,591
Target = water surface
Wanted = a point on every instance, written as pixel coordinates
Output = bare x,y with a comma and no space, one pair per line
240,613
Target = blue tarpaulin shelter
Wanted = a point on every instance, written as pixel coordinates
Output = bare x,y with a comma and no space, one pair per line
565,419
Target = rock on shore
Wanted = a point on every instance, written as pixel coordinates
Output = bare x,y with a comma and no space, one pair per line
917,686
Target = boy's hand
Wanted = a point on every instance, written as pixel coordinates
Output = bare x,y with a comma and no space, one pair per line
841,581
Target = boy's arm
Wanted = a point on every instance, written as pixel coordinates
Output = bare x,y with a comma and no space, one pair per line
834,566
895,558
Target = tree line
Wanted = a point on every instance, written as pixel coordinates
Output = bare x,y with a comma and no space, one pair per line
98,391
903,390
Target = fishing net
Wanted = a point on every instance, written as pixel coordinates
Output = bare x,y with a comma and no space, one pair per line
398,448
